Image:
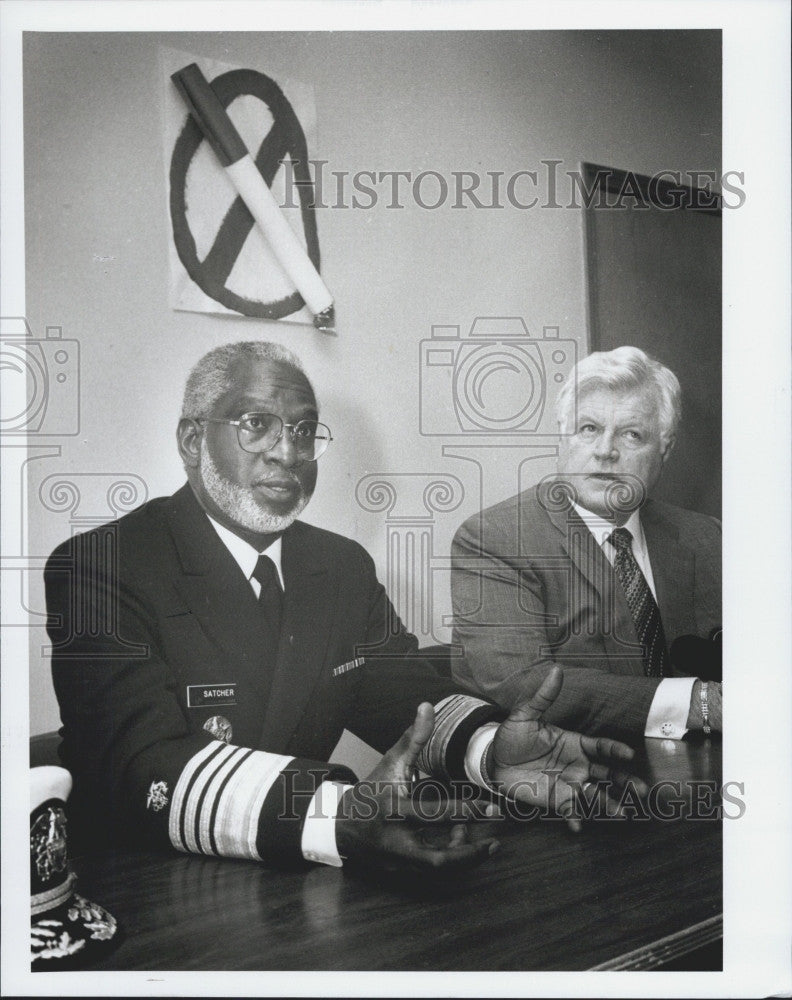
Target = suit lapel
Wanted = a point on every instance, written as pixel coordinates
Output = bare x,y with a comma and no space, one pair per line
309,602
581,547
617,626
673,571
215,590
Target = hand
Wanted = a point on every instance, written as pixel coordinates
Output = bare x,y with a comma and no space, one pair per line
378,824
541,764
695,719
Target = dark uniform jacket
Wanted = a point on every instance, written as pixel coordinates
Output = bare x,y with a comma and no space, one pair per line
181,723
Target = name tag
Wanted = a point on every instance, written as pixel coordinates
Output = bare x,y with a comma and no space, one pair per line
199,695
337,671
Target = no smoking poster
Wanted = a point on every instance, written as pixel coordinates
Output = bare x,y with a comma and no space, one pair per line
219,260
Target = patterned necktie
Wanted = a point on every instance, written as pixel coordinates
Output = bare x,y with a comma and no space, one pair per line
643,607
270,599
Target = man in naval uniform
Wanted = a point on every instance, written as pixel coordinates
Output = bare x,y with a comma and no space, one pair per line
208,649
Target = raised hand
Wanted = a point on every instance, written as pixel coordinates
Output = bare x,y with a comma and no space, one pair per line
377,822
545,766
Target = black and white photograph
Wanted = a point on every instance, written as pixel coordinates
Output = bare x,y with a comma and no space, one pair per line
395,458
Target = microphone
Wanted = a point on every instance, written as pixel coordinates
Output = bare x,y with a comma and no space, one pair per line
693,656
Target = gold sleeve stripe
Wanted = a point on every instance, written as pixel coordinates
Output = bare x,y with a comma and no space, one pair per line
456,718
218,799
236,828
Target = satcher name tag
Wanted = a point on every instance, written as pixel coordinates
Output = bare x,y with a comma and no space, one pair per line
345,667
199,695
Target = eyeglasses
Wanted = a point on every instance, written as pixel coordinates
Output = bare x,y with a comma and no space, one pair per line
259,432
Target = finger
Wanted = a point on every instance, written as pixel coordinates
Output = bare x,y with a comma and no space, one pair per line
458,835
450,810
541,700
398,762
567,810
480,809
606,749
597,800
616,803
484,809
448,858
620,779
610,806
420,731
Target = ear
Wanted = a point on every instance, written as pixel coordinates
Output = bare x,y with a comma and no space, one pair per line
188,436
668,447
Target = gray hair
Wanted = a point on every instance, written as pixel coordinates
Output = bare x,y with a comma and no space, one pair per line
212,376
624,369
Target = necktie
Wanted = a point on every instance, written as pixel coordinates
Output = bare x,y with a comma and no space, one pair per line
643,607
270,600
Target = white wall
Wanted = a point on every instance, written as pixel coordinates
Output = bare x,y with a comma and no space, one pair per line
97,238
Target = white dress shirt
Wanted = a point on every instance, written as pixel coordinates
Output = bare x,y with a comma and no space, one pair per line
246,556
318,836
670,706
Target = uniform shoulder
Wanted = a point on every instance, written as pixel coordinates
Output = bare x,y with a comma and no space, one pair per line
321,540
137,530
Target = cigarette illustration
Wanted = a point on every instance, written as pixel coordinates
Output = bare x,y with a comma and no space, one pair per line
221,134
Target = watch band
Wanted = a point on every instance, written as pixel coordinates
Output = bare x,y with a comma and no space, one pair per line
704,695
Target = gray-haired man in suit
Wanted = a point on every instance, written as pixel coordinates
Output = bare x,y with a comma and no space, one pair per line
587,572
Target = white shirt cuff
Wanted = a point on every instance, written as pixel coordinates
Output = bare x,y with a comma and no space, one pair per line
318,837
668,713
477,746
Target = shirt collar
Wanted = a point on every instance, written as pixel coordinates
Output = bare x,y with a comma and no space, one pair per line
601,528
245,554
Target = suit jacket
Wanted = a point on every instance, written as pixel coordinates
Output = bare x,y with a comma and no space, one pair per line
156,634
531,587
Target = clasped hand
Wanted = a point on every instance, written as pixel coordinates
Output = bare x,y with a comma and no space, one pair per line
538,764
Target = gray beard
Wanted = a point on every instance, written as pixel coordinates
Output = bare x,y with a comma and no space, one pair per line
240,505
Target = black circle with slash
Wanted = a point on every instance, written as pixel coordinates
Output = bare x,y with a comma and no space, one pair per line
285,137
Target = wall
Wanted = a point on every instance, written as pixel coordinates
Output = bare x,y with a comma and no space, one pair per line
97,238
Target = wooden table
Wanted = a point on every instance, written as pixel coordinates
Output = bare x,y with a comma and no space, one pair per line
619,895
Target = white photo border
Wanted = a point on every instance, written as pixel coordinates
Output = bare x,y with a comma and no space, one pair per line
756,371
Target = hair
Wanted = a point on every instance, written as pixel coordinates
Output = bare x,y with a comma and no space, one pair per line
624,369
212,376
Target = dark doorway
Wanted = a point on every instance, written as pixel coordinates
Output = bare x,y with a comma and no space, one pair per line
653,253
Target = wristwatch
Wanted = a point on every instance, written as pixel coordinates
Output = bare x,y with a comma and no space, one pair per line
704,694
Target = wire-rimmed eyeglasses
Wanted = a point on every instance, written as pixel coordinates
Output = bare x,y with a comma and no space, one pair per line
258,432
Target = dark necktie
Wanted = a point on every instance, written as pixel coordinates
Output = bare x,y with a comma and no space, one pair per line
643,607
270,600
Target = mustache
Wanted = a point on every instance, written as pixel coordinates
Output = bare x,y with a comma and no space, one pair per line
279,480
